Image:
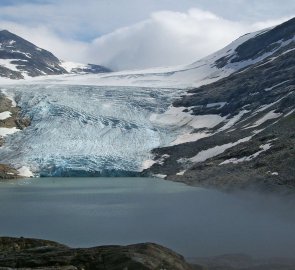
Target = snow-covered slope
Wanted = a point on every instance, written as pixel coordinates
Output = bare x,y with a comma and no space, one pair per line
19,58
248,139
207,70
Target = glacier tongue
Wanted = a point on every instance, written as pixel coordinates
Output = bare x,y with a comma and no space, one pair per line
87,130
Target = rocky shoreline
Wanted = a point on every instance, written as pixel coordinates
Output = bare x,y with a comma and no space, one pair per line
27,254
24,253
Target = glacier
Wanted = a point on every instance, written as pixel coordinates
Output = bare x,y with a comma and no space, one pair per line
87,130
107,124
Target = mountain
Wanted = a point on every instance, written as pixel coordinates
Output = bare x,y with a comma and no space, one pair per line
233,128
20,58
248,136
204,71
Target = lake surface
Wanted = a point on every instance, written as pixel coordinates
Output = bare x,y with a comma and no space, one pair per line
193,221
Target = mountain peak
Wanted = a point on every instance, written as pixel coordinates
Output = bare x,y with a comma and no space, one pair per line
20,58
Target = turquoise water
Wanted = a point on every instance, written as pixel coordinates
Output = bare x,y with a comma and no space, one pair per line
98,211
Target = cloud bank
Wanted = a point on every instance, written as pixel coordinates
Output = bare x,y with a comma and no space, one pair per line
163,38
169,38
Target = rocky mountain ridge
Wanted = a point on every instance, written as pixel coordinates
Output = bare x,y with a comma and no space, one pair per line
252,142
20,58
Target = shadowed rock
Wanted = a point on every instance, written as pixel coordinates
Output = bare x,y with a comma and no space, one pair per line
23,253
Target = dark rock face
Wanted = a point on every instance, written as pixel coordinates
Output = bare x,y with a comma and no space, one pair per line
22,253
261,44
260,103
27,58
7,172
11,74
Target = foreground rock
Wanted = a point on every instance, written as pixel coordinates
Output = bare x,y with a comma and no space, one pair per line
22,253
26,254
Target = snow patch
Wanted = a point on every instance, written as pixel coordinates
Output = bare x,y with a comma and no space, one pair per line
270,115
233,120
25,172
206,121
181,173
162,176
69,66
7,131
5,115
175,116
263,148
147,164
7,64
216,104
190,137
215,151
28,55
289,113
277,85
266,106
10,96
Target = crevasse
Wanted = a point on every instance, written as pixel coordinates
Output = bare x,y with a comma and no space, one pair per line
87,130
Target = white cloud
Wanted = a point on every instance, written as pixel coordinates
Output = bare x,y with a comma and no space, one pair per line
168,38
164,38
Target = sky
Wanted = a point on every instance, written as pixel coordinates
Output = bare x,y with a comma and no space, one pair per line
135,34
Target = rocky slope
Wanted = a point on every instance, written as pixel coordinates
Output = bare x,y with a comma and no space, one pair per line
22,253
251,141
20,58
11,121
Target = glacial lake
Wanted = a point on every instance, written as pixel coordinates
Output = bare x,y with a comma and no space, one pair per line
84,212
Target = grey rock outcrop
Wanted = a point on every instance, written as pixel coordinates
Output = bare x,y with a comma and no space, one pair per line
23,253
